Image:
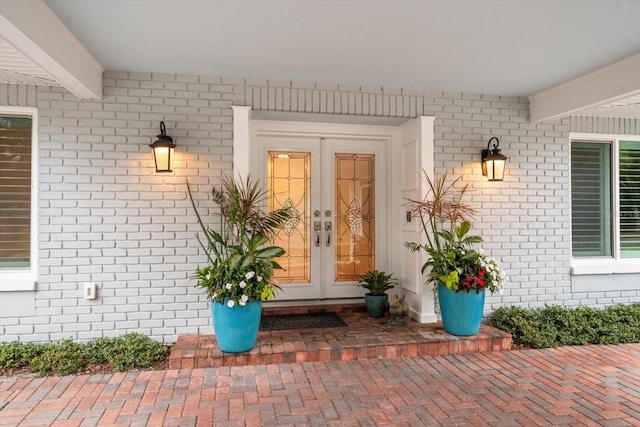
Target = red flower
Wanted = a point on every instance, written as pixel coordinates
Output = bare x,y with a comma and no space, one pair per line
482,272
479,281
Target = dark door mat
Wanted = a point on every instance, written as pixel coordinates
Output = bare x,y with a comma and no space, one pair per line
301,321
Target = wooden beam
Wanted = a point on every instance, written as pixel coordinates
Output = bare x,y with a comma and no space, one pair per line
34,30
608,84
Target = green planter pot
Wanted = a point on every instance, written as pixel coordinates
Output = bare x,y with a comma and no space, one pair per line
376,304
236,327
461,311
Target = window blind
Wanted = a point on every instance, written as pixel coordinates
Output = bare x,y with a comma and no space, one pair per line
15,191
590,199
629,198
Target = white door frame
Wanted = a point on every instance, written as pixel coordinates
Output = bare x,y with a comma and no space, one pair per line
411,152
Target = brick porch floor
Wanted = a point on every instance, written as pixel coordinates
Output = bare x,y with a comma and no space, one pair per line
571,386
364,338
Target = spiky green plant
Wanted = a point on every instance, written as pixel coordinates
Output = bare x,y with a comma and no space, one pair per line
451,259
377,282
240,261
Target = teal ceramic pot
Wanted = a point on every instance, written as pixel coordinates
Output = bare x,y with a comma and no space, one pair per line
461,311
376,304
236,327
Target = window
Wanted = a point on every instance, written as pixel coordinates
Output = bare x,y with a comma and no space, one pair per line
605,199
18,167
630,199
591,199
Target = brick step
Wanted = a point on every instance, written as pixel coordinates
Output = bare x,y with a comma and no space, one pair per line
364,338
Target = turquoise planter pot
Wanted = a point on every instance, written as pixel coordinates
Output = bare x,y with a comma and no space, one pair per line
461,311
236,327
376,304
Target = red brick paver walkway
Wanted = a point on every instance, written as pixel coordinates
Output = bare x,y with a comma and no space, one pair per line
571,386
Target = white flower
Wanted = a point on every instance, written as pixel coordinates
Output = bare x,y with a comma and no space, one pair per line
230,303
259,278
249,275
214,296
228,286
244,298
242,285
242,303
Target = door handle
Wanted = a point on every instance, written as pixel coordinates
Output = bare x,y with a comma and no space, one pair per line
327,227
317,227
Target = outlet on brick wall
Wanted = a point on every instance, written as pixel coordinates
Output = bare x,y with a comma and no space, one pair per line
89,291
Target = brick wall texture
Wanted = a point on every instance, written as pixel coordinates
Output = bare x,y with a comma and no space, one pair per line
105,217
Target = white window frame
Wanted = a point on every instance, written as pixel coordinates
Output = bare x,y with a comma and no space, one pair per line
614,264
24,279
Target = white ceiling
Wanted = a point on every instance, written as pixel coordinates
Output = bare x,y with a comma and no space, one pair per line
478,46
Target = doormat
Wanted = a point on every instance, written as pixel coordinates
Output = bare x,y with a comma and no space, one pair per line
301,321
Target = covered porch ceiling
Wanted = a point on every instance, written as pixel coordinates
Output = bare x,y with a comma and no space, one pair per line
575,57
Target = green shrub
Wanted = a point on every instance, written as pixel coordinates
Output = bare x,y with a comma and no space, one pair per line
17,354
62,358
132,351
554,326
66,357
524,326
94,350
621,324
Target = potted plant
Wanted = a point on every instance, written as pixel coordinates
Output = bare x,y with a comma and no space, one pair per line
240,263
377,283
460,272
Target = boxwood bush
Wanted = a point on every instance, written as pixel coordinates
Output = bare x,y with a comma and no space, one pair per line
67,357
61,358
18,354
554,326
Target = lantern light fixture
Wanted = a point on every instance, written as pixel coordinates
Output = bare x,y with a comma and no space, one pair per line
163,150
493,163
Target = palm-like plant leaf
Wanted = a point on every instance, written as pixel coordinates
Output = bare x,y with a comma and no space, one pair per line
444,218
240,249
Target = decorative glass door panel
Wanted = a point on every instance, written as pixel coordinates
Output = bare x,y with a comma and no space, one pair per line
336,188
288,185
355,215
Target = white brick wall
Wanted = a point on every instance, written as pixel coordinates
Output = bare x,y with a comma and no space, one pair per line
104,217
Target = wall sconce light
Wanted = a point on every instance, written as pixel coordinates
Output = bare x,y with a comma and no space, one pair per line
493,163
163,150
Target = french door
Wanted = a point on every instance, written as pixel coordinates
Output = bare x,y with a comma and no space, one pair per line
337,187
